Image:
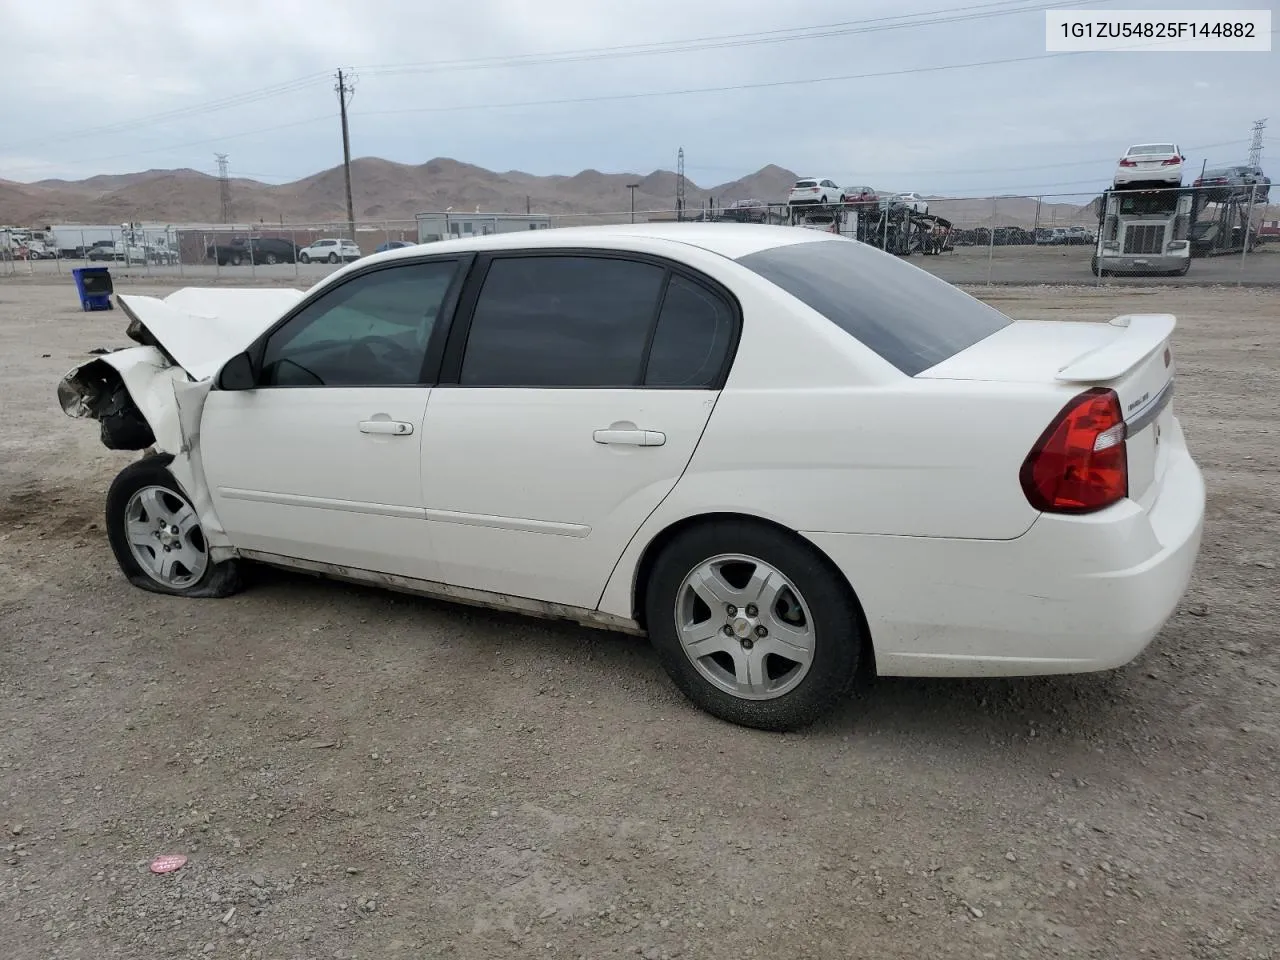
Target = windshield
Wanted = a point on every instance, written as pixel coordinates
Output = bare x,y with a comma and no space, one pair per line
905,314
1149,149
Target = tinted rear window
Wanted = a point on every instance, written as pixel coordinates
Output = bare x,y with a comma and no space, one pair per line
905,314
1148,149
806,183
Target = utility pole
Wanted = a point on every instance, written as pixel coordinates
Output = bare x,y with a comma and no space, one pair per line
632,188
345,89
224,187
1255,146
680,184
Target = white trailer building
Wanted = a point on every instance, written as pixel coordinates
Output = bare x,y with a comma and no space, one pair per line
440,226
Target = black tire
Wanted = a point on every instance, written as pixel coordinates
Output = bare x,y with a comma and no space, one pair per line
1182,270
1093,265
333,258
271,259
304,258
218,580
838,635
237,260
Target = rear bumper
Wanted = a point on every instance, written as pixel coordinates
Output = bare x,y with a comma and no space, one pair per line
1072,595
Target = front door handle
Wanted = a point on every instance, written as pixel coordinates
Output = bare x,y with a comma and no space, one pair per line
635,438
395,428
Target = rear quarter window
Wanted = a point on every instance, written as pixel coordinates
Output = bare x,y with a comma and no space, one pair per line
905,314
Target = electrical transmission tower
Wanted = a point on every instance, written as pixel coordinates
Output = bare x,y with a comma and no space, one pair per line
1255,147
224,187
680,184
345,88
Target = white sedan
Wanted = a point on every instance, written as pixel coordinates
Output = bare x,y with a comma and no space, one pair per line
785,456
909,201
1154,164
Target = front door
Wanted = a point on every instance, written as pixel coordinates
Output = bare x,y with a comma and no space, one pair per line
322,460
582,391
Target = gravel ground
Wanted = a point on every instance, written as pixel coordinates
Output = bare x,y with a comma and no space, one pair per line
356,774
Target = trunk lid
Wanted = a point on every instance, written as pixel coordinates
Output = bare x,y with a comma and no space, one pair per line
1131,354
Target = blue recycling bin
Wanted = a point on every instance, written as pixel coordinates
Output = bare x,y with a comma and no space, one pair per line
95,287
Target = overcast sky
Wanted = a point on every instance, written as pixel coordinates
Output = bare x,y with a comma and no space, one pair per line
171,83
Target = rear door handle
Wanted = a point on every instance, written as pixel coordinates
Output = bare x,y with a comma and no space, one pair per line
635,438
396,428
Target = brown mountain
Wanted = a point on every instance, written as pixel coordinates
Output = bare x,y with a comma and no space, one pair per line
382,190
389,191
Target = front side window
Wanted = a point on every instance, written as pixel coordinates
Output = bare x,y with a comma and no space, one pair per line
562,321
372,330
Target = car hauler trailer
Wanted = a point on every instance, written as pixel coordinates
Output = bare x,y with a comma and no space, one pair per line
1224,226
1144,232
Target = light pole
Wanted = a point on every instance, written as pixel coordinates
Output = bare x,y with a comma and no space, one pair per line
632,188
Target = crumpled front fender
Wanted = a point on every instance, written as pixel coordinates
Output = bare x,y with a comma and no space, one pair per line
170,402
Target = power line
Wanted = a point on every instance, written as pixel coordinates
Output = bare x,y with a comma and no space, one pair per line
997,8
735,87
211,106
726,41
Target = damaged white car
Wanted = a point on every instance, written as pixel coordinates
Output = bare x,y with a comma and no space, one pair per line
785,456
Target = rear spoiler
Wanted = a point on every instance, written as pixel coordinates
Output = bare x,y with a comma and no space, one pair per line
1144,334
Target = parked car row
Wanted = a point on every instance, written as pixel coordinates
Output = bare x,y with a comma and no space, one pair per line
1063,236
823,191
239,251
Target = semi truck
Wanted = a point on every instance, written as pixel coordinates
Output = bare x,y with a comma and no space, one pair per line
1144,232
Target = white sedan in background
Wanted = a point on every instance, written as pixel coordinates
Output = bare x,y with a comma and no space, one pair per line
910,201
330,251
785,456
1157,164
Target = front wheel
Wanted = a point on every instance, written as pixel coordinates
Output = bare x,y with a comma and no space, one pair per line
156,535
753,625
333,258
271,259
304,258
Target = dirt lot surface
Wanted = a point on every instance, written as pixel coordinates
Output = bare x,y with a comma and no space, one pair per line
356,774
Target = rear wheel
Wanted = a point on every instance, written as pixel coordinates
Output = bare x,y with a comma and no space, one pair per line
333,258
753,625
156,535
271,258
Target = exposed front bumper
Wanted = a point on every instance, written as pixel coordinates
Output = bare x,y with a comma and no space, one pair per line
1143,262
1072,595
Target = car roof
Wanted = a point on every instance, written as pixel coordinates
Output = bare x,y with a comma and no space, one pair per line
732,240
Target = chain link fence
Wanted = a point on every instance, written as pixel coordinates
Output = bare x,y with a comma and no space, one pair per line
1220,234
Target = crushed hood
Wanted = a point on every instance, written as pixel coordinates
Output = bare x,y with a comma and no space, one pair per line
202,328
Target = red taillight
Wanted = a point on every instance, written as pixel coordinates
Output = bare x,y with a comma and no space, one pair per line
1170,162
1080,463
1128,163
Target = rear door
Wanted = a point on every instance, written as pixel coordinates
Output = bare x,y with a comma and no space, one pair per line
575,388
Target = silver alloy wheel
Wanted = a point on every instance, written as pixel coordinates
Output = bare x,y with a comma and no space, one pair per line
165,537
745,627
